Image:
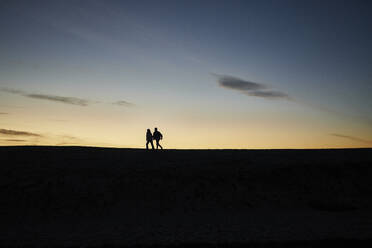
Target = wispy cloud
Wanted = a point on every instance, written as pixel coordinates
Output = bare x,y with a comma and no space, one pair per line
235,83
352,138
54,98
12,91
15,140
271,94
3,113
250,88
62,99
123,103
18,133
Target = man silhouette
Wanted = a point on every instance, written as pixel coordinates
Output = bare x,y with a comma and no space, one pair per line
149,139
157,137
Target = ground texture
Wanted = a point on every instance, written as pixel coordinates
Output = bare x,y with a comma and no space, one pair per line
82,197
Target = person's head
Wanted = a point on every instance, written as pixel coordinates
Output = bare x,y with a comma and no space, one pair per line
156,129
148,130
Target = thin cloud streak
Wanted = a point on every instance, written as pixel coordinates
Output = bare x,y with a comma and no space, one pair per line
15,140
61,99
270,94
12,91
352,138
250,88
123,103
18,133
54,98
2,113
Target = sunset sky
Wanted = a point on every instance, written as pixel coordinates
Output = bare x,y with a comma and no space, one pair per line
208,74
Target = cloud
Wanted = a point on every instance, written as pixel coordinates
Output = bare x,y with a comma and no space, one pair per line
62,99
2,113
269,94
123,103
250,88
235,83
18,133
15,140
254,89
12,91
352,138
54,98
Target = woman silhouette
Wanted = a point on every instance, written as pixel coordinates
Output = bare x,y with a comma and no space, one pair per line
149,139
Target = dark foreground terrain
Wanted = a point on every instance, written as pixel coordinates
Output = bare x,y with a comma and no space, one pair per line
96,197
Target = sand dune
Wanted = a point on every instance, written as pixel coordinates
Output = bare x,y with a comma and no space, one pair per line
74,196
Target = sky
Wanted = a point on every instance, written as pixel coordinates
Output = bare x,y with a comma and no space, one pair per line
209,74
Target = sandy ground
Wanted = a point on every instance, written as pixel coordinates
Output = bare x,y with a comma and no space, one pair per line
74,196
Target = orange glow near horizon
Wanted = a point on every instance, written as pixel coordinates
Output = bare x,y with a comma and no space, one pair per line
126,129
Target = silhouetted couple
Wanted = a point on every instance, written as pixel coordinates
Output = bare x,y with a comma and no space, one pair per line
157,136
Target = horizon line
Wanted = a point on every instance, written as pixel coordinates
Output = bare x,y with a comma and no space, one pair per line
185,149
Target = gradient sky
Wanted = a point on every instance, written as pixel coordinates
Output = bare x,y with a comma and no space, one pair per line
208,74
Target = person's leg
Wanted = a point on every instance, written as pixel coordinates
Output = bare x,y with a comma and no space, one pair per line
152,144
158,145
147,145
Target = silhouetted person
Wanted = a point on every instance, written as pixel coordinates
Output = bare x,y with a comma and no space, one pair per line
157,137
149,139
